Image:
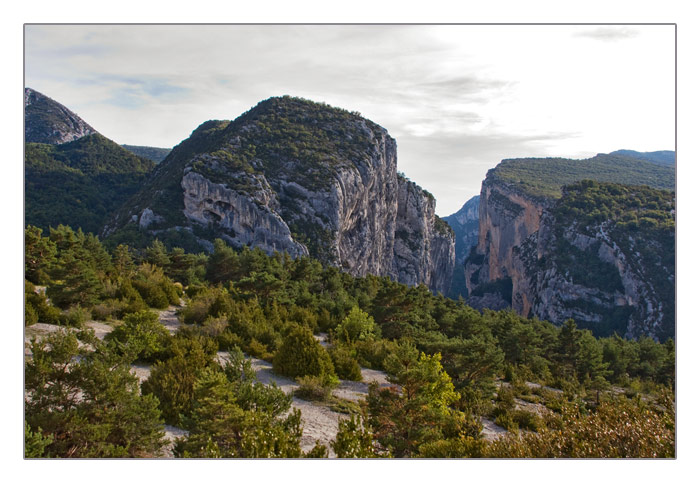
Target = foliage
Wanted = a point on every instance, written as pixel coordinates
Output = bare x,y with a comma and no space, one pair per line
302,355
618,428
353,440
142,336
86,402
544,177
173,380
346,366
315,388
358,325
80,183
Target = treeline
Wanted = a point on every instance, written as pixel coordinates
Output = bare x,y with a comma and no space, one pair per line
445,359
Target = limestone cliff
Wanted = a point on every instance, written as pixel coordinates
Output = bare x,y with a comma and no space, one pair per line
46,121
602,254
297,176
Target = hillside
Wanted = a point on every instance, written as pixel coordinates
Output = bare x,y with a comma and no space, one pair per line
46,121
301,177
154,154
79,183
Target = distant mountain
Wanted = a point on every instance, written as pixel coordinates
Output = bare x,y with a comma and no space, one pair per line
301,177
47,121
154,154
666,158
73,175
465,224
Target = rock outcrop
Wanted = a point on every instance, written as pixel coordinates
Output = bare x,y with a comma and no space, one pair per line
301,177
535,256
46,121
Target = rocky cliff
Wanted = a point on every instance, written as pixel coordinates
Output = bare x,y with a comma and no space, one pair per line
611,269
465,224
46,121
297,176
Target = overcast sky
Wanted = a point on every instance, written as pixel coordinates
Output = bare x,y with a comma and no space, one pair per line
457,99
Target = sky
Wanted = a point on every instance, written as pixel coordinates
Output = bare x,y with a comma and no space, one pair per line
457,98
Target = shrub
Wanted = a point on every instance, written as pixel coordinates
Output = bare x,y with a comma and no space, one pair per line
75,316
346,367
315,388
141,335
30,315
526,420
372,353
301,355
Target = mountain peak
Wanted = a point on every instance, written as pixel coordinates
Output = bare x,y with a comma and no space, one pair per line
49,122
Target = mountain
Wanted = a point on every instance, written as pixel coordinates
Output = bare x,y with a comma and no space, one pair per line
465,224
80,183
73,175
46,121
600,252
154,154
665,158
301,177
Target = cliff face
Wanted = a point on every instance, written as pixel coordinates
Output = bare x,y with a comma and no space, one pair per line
465,224
46,121
424,248
296,176
507,217
606,272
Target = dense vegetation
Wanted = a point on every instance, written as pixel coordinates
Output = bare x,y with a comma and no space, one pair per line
80,183
659,157
154,154
544,177
640,221
444,359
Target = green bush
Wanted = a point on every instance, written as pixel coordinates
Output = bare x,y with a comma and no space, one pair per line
141,335
526,420
315,388
346,367
30,315
301,355
75,316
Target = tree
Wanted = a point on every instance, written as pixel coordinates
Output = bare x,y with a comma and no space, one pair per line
358,325
406,417
86,402
39,254
353,439
233,418
172,381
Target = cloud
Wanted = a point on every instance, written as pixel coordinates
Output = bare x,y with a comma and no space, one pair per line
608,34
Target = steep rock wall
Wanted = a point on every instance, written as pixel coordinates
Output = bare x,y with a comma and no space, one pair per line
304,178
560,270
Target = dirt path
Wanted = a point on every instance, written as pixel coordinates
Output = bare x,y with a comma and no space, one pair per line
319,422
168,318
